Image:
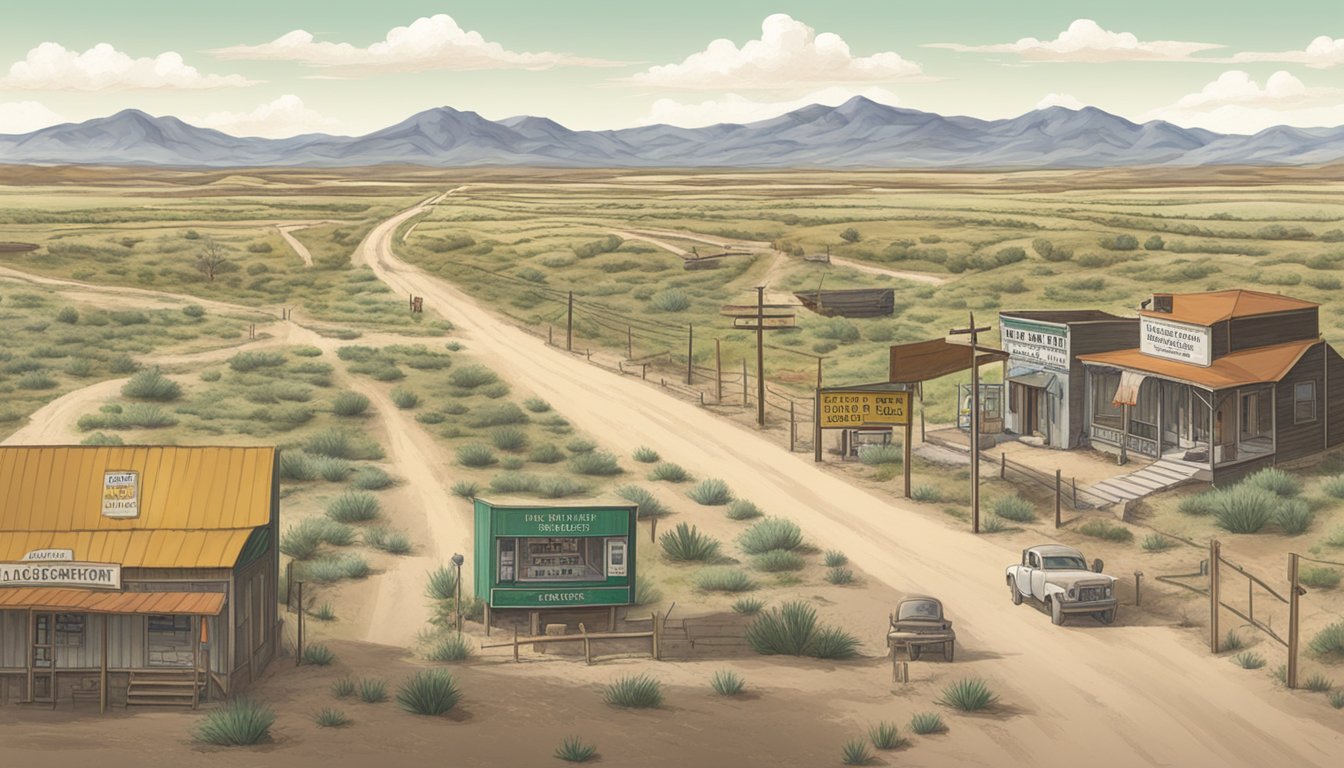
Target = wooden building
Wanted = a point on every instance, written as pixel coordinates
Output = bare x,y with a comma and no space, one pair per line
855,302
136,575
1046,380
1225,382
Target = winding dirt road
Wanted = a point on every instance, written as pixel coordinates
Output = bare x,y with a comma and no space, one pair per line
1080,695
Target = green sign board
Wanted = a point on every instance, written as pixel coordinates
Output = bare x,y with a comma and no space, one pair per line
559,597
561,522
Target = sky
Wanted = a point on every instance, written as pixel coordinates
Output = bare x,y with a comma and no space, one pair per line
275,69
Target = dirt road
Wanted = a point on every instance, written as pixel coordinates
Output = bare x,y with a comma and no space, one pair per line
914,277
1078,695
293,242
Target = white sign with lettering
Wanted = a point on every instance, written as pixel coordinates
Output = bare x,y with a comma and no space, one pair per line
40,574
1042,345
49,555
121,494
1181,342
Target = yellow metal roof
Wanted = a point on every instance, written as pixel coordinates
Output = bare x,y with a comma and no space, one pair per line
197,505
94,601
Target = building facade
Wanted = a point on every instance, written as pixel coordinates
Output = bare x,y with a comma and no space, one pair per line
1228,381
1045,379
136,575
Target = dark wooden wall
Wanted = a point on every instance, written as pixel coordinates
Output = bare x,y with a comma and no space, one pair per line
1266,330
1297,440
1085,339
1334,396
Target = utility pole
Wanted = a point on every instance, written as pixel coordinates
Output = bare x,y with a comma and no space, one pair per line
569,325
1215,554
816,418
974,333
718,372
629,343
760,355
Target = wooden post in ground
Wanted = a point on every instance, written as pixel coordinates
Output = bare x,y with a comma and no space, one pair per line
1059,495
195,662
486,608
690,352
909,434
1214,554
587,644
816,419
102,672
760,356
515,643
718,372
569,325
629,342
611,620
1003,466
653,530
550,336
744,383
657,639
1294,618
298,652
793,426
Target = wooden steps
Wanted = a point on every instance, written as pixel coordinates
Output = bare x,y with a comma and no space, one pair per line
163,688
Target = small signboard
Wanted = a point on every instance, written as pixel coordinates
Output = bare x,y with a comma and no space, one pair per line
841,408
49,555
1181,342
39,574
121,494
768,322
1043,344
417,304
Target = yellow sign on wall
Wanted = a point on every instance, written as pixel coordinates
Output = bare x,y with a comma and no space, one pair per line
121,494
857,409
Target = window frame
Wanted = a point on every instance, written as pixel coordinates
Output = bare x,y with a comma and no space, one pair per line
1299,402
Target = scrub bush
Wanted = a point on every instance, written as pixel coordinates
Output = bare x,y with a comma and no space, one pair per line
559,487
634,692
372,691
741,509
748,605
885,735
405,398
1244,508
429,692
349,404
926,493
343,687
472,376
711,492
786,630
536,405
581,445
574,750
442,584
332,469
318,655
840,576
833,643
330,718
372,479
508,438
342,444
1329,642
925,723
297,465
476,455
239,722
1156,542
672,473
873,455
455,647
496,416
353,507
1294,516
648,505
1104,529
389,541
968,695
671,300
151,385
546,453
727,683
1249,660
1334,487
645,455
771,533
835,558
724,580
685,543
466,489
598,463
251,361
855,752
777,561
1014,508
1319,578
1275,481
515,482
1318,683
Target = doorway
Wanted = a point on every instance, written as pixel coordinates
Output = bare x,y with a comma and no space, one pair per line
42,659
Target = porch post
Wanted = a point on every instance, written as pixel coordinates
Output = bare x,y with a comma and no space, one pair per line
28,694
102,670
195,662
1161,423
1213,409
1124,434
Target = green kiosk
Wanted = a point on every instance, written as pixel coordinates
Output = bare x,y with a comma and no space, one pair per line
536,557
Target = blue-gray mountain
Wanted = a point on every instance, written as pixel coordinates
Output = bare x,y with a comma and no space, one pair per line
856,134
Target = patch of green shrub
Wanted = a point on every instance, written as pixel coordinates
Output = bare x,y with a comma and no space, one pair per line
778,561
349,404
1319,578
727,683
672,473
634,692
330,718
475,455
454,647
598,463
685,543
771,533
925,723
1014,508
724,580
371,479
840,576
1244,508
645,455
575,750
741,509
1249,660
1156,542
926,493
429,692
239,722
353,507
405,398
472,376
466,489
968,695
1329,642
151,385
1105,529
649,506
712,492
748,605
318,655
855,752
508,438
1275,481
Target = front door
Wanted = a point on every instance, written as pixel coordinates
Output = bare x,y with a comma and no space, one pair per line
1031,410
1175,413
42,659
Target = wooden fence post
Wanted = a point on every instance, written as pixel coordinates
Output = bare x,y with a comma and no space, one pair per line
657,639
587,645
1214,555
515,643
653,530
298,654
793,426
1003,466
906,449
1294,617
1059,495
718,371
744,381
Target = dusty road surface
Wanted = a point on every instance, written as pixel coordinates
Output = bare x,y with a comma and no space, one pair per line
1080,695
915,277
293,242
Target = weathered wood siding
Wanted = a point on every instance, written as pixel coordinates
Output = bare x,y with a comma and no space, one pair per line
13,639
1220,339
1298,440
1334,396
1085,339
1266,330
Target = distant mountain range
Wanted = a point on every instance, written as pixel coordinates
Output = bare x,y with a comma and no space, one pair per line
857,134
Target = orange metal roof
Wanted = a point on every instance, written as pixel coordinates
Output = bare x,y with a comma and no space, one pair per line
1253,366
197,504
95,601
1214,306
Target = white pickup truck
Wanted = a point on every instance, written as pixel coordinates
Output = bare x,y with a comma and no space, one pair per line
1059,578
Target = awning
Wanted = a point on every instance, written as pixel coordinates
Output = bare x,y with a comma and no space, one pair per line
925,360
95,601
1128,391
1260,365
1038,379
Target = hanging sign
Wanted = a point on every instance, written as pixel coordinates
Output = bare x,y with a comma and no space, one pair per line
93,575
1181,342
856,408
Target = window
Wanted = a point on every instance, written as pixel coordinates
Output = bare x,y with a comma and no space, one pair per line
70,629
1304,402
168,641
1104,412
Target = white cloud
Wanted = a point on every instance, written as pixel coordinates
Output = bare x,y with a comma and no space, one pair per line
1086,41
435,42
51,66
734,108
788,54
284,117
1068,101
1236,103
1321,53
26,116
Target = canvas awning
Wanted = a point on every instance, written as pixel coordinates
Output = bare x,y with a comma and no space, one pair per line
1128,391
925,360
95,601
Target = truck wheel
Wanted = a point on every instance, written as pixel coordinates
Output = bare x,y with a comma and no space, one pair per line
948,650
1056,611
1017,593
1107,616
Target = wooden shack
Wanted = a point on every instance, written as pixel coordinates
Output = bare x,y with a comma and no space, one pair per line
855,302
